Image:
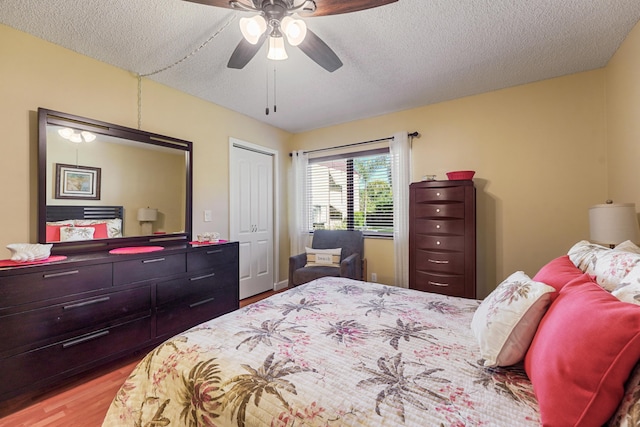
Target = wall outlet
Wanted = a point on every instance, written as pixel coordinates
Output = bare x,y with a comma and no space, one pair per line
207,216
374,277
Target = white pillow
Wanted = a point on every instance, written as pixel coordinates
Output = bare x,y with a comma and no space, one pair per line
323,257
68,234
627,246
508,318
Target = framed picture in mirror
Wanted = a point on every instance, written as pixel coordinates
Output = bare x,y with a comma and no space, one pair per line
77,182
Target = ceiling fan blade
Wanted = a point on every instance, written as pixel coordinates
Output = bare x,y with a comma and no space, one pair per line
336,7
244,52
316,49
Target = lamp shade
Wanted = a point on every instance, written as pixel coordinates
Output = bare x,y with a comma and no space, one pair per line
147,214
613,223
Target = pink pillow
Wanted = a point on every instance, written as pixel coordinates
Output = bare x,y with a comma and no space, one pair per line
584,349
100,230
53,232
557,273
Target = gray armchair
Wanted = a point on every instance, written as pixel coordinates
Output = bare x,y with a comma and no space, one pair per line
351,258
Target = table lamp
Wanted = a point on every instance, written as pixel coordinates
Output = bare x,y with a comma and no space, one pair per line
147,216
613,223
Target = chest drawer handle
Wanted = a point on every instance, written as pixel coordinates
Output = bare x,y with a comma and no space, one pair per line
63,273
84,303
148,261
204,301
206,276
438,210
214,252
85,339
438,261
438,284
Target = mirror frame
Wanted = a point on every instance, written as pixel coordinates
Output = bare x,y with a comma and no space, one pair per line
50,117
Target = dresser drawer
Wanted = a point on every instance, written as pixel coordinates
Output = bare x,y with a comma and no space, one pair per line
439,226
55,282
152,267
33,326
205,258
440,262
433,210
58,360
439,243
177,318
447,284
446,194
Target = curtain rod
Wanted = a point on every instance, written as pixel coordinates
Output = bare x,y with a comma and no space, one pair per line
412,135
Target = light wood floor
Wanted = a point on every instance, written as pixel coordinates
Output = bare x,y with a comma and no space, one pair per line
82,403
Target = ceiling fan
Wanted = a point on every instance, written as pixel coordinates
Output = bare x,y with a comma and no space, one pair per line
274,20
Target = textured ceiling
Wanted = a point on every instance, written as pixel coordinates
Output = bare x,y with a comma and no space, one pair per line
400,56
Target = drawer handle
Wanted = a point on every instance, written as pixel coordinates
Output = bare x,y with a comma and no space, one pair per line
438,210
438,226
204,301
437,242
148,261
438,284
63,273
214,252
85,339
206,276
82,304
438,261
438,194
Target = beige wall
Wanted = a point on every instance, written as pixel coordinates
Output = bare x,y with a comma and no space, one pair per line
623,121
35,73
543,152
540,155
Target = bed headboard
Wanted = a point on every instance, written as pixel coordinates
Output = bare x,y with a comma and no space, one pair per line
60,213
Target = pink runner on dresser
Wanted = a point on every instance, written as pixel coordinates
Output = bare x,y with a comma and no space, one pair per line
10,263
135,250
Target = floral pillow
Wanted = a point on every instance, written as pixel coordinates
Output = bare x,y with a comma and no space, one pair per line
114,226
507,319
68,234
612,269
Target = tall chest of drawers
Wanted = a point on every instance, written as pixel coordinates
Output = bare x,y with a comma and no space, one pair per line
442,237
65,318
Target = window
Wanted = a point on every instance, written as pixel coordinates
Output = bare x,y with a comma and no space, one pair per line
351,192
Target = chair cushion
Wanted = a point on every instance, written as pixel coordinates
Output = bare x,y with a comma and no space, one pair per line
307,274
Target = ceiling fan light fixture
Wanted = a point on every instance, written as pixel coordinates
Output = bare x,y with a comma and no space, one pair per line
276,49
252,28
294,29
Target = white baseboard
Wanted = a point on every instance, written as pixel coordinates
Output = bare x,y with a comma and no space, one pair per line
280,285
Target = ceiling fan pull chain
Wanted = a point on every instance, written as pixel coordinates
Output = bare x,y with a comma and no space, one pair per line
274,88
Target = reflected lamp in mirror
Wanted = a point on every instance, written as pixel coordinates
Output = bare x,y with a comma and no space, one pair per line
613,223
147,216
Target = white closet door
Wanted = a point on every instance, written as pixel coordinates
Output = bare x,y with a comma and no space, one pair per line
251,218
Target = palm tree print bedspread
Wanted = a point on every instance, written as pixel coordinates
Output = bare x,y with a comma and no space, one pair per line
333,352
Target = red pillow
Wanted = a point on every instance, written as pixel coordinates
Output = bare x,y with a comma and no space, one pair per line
100,230
558,273
53,232
584,349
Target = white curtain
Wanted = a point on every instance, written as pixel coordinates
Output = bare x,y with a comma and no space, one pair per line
298,224
400,149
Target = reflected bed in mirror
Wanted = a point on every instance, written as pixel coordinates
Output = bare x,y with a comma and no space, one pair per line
95,178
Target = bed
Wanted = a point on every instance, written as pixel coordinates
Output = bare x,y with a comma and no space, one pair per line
73,222
340,352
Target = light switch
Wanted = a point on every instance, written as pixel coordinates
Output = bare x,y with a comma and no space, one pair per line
207,216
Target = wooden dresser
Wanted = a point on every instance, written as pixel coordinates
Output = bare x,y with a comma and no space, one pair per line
65,318
442,237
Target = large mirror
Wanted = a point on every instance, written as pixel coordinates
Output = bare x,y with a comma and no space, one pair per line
103,185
